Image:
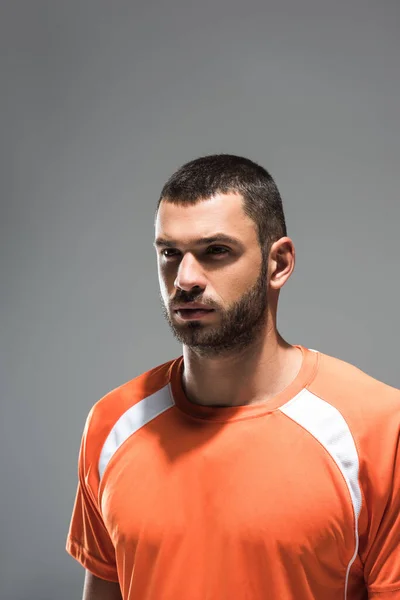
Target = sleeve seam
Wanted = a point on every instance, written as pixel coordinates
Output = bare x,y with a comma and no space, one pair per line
91,561
372,591
86,551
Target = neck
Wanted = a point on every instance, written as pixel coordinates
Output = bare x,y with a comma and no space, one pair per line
250,376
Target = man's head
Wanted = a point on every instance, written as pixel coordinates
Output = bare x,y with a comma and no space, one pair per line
221,242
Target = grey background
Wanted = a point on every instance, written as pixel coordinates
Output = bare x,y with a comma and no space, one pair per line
100,103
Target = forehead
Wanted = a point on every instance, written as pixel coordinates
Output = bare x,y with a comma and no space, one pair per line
221,212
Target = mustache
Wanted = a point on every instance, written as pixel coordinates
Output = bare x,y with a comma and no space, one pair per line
183,297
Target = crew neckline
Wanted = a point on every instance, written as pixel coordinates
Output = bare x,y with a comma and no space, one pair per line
234,413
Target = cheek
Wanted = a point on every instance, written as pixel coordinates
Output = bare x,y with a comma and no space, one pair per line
166,278
230,287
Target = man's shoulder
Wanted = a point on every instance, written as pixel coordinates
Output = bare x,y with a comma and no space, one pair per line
352,390
106,411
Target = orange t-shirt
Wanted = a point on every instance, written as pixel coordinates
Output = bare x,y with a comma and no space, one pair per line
296,498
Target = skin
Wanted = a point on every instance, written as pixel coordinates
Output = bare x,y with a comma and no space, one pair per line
223,366
99,589
260,365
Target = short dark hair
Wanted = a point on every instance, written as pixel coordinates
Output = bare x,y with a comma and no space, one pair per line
203,177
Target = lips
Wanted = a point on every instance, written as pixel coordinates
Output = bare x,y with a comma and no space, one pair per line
194,310
193,313
192,306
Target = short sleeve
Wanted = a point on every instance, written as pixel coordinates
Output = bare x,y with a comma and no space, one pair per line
382,565
88,540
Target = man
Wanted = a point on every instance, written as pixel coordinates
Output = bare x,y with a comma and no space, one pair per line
247,468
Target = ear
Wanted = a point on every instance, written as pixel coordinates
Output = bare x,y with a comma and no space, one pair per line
281,263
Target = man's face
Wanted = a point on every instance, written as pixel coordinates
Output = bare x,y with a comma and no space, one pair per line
197,265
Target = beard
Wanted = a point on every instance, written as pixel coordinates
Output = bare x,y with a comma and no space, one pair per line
239,325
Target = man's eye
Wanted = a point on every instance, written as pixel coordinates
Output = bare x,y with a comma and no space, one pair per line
217,250
213,250
168,253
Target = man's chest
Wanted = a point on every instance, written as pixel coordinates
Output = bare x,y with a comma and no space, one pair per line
240,491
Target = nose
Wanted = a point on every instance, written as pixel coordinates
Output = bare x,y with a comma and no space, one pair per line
190,274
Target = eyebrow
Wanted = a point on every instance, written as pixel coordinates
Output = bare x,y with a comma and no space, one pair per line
217,237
